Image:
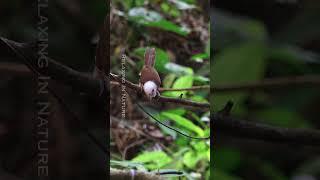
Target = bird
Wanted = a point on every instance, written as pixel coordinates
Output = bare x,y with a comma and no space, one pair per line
149,78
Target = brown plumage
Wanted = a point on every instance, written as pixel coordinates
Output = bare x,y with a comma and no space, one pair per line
148,72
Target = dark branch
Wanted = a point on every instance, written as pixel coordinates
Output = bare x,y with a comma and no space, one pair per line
27,53
251,130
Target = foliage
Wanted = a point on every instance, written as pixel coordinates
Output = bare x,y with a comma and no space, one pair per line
189,157
248,50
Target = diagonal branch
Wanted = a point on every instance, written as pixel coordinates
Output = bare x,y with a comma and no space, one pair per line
57,71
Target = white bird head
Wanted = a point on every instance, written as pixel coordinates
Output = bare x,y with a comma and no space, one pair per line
151,89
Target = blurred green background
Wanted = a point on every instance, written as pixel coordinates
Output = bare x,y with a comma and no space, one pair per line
252,41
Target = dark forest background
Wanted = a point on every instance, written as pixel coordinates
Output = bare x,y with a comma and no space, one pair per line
257,40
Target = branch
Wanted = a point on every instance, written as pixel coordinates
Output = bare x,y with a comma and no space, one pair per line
56,71
227,124
251,130
132,174
160,98
186,89
78,81
284,82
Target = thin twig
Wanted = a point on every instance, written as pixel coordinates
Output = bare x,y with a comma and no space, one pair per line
194,88
169,127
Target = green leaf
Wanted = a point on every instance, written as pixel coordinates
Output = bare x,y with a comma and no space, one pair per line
150,18
293,55
128,164
199,99
182,82
168,80
184,122
201,79
153,159
168,26
200,57
179,69
227,159
162,58
143,15
239,64
200,146
182,5
190,159
178,111
170,10
282,117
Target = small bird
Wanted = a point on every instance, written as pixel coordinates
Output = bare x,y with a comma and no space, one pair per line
149,78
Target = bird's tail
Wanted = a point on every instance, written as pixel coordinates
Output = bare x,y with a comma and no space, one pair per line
150,57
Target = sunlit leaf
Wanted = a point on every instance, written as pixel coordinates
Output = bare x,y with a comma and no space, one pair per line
190,159
153,159
178,69
151,18
178,111
182,5
199,99
184,122
200,57
181,82
169,26
143,15
168,80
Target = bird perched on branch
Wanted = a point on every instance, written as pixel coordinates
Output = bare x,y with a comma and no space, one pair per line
149,78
